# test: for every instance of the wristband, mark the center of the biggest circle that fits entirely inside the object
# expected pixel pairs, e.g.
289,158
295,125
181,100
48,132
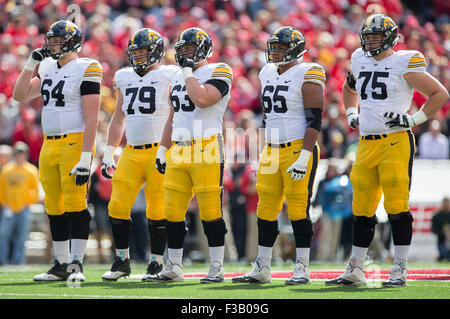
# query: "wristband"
351,110
419,117
304,157
109,151
86,158
187,72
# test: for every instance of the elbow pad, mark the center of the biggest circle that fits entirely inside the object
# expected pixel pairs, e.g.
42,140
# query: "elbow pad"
314,118
351,81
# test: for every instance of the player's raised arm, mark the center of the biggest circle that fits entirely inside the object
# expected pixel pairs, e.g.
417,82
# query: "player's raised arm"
28,87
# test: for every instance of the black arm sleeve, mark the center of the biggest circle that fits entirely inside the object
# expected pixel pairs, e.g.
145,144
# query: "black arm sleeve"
88,87
222,86
314,118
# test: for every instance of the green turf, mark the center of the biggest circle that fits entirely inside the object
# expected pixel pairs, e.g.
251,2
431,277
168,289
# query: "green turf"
16,283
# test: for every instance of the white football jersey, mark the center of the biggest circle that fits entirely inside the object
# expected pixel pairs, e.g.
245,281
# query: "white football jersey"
282,99
382,88
190,121
145,102
62,112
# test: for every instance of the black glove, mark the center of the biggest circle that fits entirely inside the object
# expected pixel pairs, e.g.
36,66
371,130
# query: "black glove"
186,63
40,54
399,120
105,168
82,176
161,167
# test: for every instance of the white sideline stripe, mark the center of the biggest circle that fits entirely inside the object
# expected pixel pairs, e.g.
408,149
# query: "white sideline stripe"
80,296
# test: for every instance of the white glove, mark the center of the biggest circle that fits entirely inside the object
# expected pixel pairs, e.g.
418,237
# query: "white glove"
352,117
82,170
108,161
300,166
405,120
36,57
161,159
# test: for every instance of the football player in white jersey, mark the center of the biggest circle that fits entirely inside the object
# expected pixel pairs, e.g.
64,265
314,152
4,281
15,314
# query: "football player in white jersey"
384,81
141,111
199,94
293,98
70,89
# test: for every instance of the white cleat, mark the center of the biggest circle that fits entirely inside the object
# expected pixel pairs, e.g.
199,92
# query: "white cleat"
353,276
397,278
300,275
215,274
259,275
170,273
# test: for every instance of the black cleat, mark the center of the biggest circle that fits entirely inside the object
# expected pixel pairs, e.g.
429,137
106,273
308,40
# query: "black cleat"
153,269
120,268
57,273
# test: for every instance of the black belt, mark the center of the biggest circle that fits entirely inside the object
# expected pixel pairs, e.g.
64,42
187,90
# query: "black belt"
283,145
144,147
373,137
56,137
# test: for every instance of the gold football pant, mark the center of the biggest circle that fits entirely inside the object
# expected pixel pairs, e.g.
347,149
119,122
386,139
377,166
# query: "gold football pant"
136,167
194,166
56,160
383,165
274,185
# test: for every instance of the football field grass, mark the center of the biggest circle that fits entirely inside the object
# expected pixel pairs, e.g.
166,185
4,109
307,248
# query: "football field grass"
425,281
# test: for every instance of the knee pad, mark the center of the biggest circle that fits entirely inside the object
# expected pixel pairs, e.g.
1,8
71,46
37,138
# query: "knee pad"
303,232
175,234
363,230
215,231
79,224
121,232
158,236
401,225
267,232
59,227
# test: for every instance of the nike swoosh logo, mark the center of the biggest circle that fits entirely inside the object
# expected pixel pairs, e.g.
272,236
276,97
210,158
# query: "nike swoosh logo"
66,76
287,81
296,152
153,82
394,143
203,150
386,68
72,143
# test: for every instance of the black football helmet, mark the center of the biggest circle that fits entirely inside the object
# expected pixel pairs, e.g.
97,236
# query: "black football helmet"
145,39
71,38
378,24
294,40
195,36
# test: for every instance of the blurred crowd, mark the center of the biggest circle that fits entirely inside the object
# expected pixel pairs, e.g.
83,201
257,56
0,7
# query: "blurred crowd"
239,30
